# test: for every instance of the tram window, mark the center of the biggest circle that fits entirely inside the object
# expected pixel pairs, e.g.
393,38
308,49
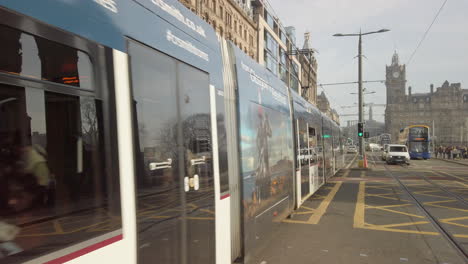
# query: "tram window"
54,180
312,146
38,58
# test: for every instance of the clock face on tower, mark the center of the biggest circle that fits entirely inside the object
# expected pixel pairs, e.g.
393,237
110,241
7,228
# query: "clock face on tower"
396,74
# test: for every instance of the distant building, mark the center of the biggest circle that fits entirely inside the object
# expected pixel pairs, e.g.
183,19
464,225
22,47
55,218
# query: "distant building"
274,45
309,71
445,109
250,25
232,19
324,105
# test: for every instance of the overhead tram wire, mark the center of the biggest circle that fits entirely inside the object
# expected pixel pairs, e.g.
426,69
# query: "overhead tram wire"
427,31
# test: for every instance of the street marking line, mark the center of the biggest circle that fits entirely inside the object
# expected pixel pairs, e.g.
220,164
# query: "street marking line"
198,218
359,216
435,204
387,206
398,212
346,173
426,193
405,224
379,188
385,197
451,175
359,212
58,227
450,221
320,211
207,211
308,208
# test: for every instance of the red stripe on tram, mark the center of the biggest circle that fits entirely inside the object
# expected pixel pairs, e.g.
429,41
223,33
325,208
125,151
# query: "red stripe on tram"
225,196
85,250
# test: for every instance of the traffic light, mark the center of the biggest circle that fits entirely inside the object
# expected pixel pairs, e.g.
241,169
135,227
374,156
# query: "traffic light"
360,131
366,135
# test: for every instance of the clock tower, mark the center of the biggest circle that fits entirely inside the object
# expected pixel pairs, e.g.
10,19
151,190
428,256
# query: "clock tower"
395,81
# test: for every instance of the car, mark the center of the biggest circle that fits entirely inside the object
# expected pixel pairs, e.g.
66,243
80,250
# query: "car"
384,152
352,149
396,154
374,147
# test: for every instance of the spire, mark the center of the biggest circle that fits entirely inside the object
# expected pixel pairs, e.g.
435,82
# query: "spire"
395,59
307,45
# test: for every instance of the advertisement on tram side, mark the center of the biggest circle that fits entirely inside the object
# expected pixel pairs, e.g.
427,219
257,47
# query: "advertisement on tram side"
266,150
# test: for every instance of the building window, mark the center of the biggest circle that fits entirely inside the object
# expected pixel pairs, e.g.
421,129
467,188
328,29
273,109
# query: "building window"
415,100
283,37
271,63
271,44
465,98
213,5
270,20
221,12
428,99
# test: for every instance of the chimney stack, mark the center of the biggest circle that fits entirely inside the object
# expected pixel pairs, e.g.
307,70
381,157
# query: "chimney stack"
432,88
410,90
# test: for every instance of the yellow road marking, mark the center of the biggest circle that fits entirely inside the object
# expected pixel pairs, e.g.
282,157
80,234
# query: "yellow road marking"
398,212
449,221
379,188
359,216
58,227
345,175
199,218
385,197
308,208
207,211
405,224
451,175
320,211
360,207
387,206
436,204
426,193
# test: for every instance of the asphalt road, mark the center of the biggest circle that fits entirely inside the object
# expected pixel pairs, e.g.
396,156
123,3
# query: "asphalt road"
370,216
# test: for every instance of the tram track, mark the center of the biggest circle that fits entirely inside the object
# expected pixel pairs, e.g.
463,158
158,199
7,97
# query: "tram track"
432,218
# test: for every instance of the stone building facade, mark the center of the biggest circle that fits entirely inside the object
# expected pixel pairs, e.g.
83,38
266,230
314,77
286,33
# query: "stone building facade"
251,25
444,109
278,52
324,105
232,19
309,71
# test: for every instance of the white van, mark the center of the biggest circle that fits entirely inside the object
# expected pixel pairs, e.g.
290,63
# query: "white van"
397,154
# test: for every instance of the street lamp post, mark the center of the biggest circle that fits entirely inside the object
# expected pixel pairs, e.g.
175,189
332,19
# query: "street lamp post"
360,90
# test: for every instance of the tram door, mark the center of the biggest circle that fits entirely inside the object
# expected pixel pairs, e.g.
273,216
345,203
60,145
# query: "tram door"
174,177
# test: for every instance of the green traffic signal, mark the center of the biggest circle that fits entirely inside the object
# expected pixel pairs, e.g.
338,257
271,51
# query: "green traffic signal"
360,134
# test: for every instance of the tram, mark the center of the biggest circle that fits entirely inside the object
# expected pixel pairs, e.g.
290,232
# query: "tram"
131,133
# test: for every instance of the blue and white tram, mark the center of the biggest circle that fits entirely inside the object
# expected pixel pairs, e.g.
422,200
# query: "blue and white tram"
130,133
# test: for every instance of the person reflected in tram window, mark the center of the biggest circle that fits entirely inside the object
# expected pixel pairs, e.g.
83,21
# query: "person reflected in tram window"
31,182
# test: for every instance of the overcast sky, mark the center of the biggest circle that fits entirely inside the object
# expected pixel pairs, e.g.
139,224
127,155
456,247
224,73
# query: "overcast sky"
442,56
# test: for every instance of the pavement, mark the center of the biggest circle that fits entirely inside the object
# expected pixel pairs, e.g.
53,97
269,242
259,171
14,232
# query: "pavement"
366,216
